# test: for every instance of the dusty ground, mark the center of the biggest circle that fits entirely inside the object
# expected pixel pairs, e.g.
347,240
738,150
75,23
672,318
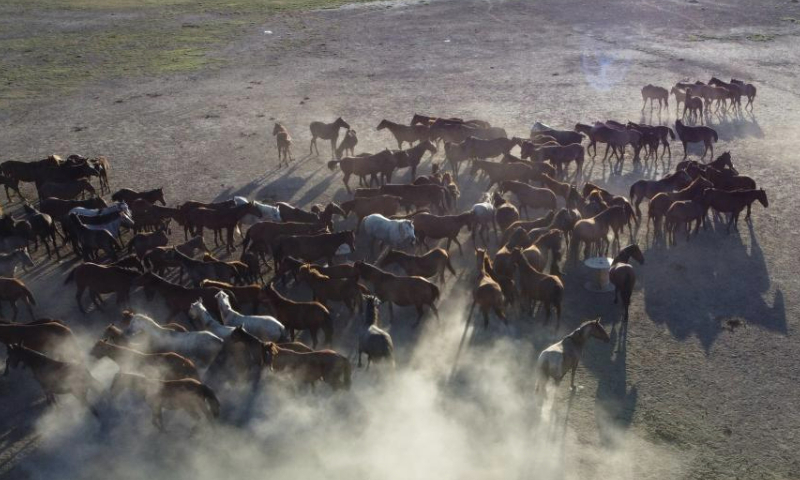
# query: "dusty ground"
678,397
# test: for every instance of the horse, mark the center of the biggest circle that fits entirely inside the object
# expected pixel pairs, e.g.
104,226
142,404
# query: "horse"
199,270
43,228
10,261
428,265
405,133
652,92
622,275
126,195
101,279
178,298
661,202
395,233
325,289
326,131
10,183
110,220
12,290
498,172
413,156
67,190
488,294
325,365
372,339
557,359
187,394
529,196
748,89
311,316
268,212
379,166
642,189
399,290
535,285
314,247
733,202
201,317
593,232
263,327
219,219
87,241
347,145
54,376
482,219
684,212
704,134
438,227
50,337
142,243
167,366
200,347
284,143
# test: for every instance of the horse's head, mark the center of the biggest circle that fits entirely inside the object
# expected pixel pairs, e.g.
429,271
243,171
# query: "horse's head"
223,300
407,234
197,311
99,349
597,331
278,128
341,123
384,124
762,197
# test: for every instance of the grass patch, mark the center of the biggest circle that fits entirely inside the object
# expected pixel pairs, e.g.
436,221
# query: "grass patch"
790,20
701,37
51,47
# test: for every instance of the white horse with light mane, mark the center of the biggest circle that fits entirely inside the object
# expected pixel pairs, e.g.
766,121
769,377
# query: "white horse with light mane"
557,359
388,231
198,312
268,212
265,327
200,347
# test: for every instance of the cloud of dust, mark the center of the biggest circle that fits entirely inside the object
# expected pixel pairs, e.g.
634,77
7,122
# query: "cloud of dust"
425,420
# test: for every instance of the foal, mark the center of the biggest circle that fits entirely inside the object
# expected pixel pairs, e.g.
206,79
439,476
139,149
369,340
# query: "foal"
284,144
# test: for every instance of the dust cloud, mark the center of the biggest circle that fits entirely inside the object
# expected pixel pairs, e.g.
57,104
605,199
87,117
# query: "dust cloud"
429,418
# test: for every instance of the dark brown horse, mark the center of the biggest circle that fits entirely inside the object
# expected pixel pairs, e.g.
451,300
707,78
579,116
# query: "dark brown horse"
12,290
128,196
428,265
401,291
102,279
687,135
623,276
311,316
642,189
734,202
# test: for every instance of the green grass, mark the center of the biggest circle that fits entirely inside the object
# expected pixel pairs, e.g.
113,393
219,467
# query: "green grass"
760,37
95,40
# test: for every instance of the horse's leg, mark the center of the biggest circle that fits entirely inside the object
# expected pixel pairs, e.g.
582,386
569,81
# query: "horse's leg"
333,149
420,312
460,251
572,377
14,308
78,295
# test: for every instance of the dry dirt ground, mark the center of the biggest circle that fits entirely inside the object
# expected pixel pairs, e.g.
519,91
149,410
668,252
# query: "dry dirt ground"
677,396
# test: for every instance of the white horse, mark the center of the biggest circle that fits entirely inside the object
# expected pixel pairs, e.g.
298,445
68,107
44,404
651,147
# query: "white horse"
483,214
125,217
268,212
265,327
200,347
197,311
557,359
395,233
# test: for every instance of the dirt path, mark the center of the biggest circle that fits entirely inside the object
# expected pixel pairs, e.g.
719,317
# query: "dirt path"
680,397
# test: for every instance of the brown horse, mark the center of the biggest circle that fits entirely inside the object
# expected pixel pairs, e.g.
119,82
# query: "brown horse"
401,291
307,368
535,285
313,247
293,265
177,297
661,202
693,106
102,279
55,377
413,156
405,133
12,290
428,265
687,135
529,196
622,275
427,225
284,141
733,202
262,235
219,219
129,196
141,243
167,366
67,190
386,205
348,144
187,394
379,167
311,316
488,294
326,131
326,289
593,232
199,270
642,189
652,92
49,337
499,172
683,212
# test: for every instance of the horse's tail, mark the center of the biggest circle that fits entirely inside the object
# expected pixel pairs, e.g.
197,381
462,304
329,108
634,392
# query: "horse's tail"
671,133
333,164
29,295
71,276
716,137
211,399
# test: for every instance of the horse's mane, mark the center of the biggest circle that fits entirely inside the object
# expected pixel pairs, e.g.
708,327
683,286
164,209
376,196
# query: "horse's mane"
578,330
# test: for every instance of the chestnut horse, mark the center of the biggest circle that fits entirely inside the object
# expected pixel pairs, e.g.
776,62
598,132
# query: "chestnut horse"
622,275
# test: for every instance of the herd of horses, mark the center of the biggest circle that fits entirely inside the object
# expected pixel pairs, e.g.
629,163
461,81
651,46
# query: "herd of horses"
226,322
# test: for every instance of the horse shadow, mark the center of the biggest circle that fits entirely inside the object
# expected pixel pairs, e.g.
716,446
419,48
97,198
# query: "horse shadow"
692,279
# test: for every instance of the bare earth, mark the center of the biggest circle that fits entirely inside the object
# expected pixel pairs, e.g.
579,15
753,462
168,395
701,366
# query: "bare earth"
678,397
